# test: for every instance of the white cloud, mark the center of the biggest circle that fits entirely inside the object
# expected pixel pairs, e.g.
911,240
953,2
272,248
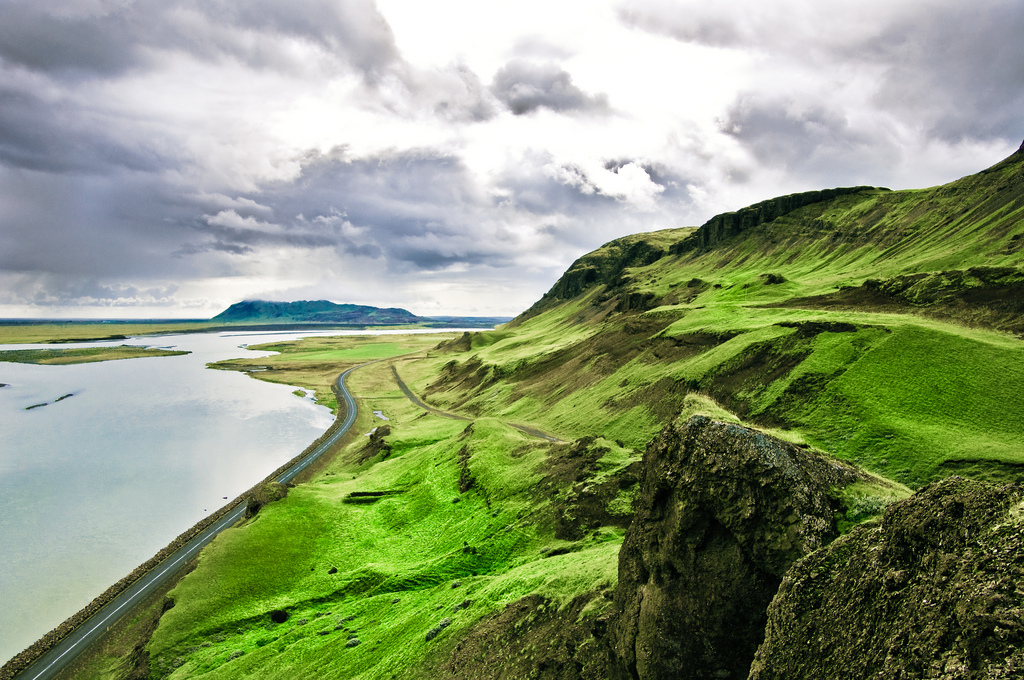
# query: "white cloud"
199,152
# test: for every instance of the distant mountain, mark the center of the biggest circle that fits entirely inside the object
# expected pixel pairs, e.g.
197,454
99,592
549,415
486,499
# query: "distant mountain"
323,311
314,311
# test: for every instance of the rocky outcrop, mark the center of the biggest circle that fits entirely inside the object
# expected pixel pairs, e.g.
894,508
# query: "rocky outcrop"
980,296
726,225
603,267
933,590
261,495
722,513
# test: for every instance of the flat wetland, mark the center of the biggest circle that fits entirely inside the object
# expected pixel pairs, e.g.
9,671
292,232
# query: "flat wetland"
28,332
83,355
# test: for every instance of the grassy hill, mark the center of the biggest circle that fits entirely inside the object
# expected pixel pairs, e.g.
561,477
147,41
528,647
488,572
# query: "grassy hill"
481,538
880,326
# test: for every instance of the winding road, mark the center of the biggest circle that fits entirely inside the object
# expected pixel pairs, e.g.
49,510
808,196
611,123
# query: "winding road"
52,662
414,398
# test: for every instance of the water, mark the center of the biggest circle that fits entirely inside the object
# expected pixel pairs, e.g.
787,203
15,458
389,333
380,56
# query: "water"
95,484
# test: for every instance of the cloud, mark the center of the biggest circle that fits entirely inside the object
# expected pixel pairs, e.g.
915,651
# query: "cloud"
195,152
524,86
39,40
415,208
811,139
352,30
50,133
957,71
55,290
625,182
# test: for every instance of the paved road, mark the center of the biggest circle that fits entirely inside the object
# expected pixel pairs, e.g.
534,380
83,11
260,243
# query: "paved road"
533,432
64,652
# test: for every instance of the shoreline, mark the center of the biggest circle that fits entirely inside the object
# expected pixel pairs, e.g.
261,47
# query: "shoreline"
58,332
23,660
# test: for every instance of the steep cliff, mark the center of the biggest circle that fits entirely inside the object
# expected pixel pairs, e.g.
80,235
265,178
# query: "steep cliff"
934,590
722,513
726,225
606,266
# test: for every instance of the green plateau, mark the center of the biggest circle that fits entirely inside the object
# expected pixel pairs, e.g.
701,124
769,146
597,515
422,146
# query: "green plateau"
866,343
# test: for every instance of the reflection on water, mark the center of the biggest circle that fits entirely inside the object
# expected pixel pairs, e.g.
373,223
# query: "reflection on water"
93,484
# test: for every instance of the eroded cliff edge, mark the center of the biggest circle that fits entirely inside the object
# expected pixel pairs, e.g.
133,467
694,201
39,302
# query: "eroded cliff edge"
722,513
933,590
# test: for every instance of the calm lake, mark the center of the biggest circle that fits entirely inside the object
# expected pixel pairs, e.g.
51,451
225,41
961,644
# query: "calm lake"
93,485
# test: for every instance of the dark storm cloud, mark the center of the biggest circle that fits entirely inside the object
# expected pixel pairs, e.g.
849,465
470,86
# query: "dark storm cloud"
251,31
526,86
86,197
351,29
120,222
406,211
34,39
959,70
210,246
60,290
51,134
417,208
813,140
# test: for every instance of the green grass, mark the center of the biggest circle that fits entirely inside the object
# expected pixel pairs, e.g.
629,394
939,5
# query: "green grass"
912,392
315,363
83,355
901,395
79,331
412,545
923,397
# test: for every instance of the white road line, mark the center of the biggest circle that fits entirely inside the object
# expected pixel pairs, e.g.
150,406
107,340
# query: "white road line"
203,538
130,597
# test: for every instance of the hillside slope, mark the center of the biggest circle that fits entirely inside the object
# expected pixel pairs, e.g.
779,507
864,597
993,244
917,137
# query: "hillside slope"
878,325
841,348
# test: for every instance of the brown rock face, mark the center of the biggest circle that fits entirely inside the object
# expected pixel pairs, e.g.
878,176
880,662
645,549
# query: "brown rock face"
722,513
934,590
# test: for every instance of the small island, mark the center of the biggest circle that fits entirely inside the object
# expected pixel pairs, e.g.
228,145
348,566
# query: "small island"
83,355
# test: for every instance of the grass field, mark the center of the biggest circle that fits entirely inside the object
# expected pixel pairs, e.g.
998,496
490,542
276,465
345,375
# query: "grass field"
315,363
906,396
387,571
384,546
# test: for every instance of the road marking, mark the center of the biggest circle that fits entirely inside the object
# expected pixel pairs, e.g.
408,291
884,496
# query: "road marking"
204,537
129,598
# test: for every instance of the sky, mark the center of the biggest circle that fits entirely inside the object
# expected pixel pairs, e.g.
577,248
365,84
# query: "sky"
167,158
